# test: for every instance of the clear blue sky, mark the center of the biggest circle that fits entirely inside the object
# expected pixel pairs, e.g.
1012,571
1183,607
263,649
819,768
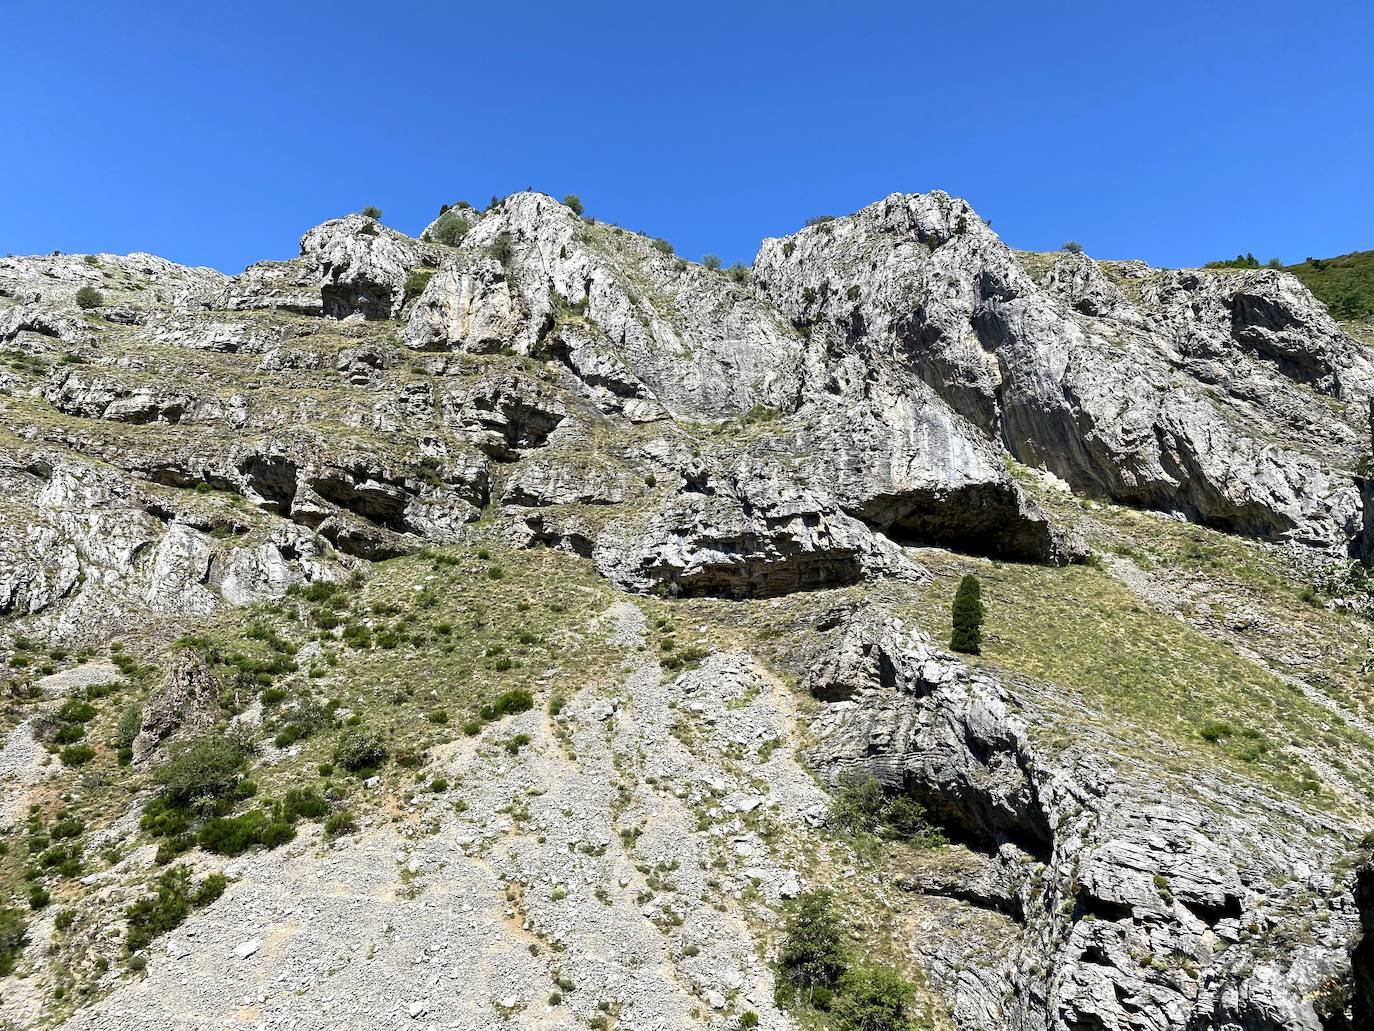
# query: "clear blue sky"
217,133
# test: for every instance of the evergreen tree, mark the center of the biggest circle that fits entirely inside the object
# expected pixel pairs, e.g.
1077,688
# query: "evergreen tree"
968,617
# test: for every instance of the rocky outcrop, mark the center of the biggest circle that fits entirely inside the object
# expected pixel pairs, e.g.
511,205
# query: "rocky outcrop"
1131,906
361,266
1068,376
186,704
87,549
743,532
137,282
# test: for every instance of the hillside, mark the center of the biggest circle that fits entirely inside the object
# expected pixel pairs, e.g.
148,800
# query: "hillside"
520,625
1344,284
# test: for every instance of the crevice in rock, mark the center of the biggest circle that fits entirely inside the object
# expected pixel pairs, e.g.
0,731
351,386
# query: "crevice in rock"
1086,904
1211,913
985,519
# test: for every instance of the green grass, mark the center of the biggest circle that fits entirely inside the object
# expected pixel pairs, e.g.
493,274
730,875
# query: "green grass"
1344,284
1141,672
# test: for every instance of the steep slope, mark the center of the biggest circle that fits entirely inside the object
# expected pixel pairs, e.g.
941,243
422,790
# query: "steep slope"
535,600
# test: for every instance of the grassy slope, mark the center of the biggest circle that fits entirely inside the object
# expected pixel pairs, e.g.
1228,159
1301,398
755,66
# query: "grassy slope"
1345,284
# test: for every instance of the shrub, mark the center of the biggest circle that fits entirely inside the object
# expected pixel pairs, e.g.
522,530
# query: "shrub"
873,998
813,953
210,889
572,201
739,273
130,723
967,615
508,703
663,246
166,909
417,281
13,934
207,767
439,716
372,211
748,1019
39,897
64,919
1074,247
76,710
233,835
341,821
89,297
500,248
711,261
517,742
860,806
857,805
77,755
359,749
450,229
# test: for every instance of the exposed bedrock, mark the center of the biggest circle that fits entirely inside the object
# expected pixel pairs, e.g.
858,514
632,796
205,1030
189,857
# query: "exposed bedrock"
1128,905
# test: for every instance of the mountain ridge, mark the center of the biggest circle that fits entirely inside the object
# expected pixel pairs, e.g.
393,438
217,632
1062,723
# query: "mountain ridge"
648,561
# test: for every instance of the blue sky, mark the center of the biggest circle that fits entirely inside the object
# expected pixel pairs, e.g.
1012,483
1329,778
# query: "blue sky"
217,133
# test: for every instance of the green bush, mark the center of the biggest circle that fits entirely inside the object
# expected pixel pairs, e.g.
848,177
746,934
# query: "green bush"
39,897
663,246
233,835
77,755
508,703
130,723
166,909
967,617
711,261
76,710
372,211
341,821
813,952
1074,247
359,749
417,281
208,767
210,889
874,998
450,229
89,297
859,805
501,248
572,201
13,934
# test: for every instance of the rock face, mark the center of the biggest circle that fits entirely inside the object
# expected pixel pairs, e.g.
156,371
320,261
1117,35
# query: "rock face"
185,705
892,380
1096,870
1151,402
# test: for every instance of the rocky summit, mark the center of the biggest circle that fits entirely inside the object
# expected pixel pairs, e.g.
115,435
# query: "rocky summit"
520,625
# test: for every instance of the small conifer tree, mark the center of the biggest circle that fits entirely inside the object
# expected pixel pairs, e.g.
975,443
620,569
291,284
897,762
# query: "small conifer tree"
968,617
